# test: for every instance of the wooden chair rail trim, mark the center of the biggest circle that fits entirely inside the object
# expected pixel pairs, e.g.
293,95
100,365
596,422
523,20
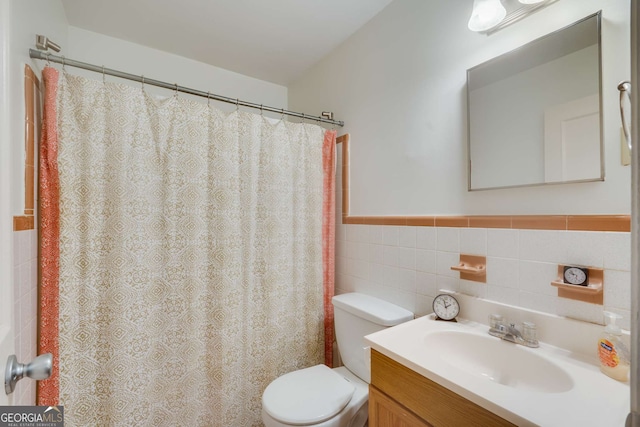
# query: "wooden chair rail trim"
31,103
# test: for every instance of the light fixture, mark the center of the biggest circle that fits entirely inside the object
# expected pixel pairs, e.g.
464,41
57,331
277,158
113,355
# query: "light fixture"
489,16
486,14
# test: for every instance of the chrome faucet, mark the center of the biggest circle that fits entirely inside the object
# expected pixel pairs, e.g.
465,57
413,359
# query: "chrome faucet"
508,331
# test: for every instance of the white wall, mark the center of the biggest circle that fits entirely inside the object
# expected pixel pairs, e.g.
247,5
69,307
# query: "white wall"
132,58
399,84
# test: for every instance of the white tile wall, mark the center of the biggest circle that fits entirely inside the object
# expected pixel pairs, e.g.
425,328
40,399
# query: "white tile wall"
25,277
409,265
426,238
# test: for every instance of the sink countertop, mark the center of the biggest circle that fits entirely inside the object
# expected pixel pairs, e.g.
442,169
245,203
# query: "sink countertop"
594,400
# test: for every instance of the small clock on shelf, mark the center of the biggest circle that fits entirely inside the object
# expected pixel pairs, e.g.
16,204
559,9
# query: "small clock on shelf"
446,307
576,275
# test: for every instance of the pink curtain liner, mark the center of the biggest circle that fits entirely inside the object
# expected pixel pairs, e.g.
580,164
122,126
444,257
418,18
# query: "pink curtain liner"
49,196
329,239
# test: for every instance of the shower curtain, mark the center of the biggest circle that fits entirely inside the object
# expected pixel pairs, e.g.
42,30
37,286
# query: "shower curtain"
191,257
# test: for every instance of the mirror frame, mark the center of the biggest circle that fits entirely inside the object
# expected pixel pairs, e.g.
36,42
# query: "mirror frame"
598,16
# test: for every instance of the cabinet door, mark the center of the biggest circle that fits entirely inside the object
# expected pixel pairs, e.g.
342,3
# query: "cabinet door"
426,399
386,412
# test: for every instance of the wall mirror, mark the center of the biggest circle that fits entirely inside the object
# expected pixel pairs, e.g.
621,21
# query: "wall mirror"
534,114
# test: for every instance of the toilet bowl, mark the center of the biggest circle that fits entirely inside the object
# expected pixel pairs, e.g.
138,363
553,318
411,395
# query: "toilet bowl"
316,398
323,397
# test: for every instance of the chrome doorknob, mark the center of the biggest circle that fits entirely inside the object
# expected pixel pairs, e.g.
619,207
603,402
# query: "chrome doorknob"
39,369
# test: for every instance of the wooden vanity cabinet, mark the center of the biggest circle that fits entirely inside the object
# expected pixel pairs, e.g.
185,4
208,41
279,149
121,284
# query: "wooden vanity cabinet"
400,397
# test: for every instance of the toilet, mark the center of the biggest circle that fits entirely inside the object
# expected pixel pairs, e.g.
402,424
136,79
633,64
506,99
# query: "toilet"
323,397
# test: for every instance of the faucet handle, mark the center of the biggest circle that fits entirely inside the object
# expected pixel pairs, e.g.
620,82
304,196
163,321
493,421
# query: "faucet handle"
495,320
497,327
530,332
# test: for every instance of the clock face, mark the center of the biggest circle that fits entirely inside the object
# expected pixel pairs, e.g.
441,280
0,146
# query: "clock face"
446,307
575,275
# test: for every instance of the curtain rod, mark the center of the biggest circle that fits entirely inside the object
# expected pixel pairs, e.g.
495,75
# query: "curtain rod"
36,54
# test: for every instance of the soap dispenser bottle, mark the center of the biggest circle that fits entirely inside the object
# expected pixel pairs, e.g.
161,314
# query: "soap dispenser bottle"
614,354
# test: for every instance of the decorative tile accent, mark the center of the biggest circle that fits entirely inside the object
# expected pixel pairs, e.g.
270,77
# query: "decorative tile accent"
22,223
490,221
599,222
620,223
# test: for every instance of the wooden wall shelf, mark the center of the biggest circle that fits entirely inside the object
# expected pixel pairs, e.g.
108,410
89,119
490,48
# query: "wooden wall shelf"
472,267
592,293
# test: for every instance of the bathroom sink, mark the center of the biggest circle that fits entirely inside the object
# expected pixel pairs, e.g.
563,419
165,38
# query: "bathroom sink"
498,361
558,384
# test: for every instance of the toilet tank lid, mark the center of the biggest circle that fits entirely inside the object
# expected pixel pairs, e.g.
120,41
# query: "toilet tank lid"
372,309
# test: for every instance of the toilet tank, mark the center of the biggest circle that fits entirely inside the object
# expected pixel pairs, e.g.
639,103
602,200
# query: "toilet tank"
357,315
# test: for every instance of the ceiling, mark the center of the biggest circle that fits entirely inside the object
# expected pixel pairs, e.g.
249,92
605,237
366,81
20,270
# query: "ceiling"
272,40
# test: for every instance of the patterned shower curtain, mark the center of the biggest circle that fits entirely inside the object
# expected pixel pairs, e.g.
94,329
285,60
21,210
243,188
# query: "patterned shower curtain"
191,257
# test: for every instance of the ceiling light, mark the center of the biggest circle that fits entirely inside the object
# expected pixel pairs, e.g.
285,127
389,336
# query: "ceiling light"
530,1
487,14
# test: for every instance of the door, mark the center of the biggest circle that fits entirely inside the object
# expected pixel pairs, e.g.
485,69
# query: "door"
572,140
6,221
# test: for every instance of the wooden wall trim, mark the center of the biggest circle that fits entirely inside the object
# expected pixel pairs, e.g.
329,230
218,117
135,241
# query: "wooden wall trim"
525,222
22,223
31,104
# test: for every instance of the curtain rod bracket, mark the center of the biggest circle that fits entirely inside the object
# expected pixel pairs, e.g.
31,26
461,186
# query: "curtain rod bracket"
327,115
43,43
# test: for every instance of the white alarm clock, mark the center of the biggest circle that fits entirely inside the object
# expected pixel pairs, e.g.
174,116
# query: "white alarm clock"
446,307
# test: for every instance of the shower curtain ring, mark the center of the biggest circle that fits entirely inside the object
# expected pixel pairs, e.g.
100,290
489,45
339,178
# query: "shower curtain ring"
282,116
237,104
64,64
176,94
104,80
48,59
303,117
208,99
261,110
142,77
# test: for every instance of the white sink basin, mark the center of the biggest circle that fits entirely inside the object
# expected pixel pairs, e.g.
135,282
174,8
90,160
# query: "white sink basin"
499,361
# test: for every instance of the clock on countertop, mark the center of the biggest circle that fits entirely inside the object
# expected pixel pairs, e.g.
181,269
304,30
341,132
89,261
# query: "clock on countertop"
446,307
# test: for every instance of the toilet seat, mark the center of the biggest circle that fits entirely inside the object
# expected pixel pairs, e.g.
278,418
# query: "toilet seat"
307,396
